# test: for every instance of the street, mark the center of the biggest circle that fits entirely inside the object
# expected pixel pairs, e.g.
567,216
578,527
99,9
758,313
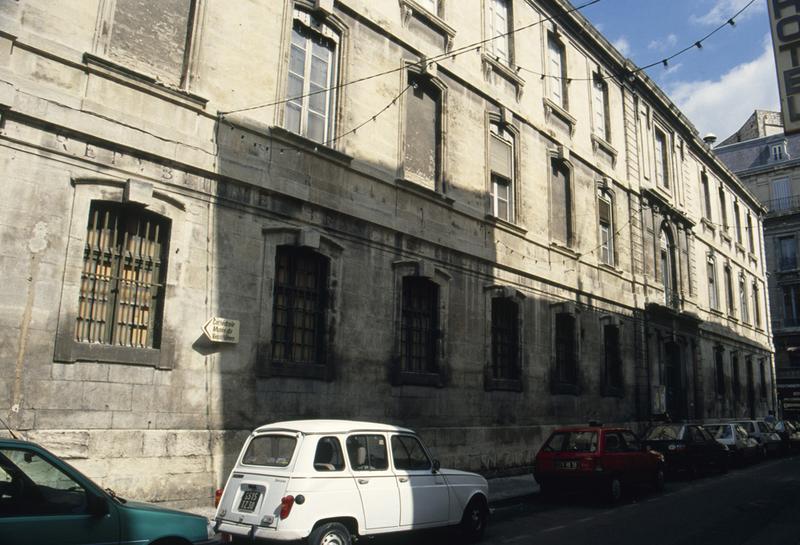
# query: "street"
755,505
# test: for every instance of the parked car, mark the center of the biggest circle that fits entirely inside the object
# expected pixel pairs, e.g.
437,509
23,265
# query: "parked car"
604,460
687,447
330,480
789,434
45,501
741,446
764,434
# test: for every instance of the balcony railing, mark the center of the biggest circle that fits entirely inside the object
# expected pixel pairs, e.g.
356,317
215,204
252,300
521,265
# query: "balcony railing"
783,205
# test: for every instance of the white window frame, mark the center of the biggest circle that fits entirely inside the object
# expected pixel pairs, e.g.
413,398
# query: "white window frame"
499,28
600,106
556,70
713,291
302,102
501,134
606,246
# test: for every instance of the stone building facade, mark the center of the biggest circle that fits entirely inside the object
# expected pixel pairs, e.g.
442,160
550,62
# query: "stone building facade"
767,161
473,218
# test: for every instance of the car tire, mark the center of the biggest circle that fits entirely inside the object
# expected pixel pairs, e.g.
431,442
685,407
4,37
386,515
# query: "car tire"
473,521
330,533
614,490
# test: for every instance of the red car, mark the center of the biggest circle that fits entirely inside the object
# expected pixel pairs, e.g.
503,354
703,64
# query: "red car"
605,460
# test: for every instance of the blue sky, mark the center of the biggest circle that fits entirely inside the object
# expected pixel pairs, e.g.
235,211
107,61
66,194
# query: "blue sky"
718,86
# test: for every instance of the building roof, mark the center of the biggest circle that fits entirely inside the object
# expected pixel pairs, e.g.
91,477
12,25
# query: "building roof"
757,152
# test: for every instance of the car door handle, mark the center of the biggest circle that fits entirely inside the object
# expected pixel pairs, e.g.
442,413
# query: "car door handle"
403,479
363,481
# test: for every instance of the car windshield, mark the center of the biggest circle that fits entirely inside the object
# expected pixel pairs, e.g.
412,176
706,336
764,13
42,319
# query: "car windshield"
748,426
666,432
719,431
270,450
572,441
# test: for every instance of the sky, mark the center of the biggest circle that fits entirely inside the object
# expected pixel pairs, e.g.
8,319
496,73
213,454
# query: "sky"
719,86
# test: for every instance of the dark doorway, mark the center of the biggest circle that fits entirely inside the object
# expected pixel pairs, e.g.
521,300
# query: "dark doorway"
673,381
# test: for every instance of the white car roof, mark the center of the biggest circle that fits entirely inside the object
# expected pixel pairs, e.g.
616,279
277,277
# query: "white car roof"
329,426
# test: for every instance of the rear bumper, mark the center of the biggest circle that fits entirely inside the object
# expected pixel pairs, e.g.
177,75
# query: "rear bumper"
260,532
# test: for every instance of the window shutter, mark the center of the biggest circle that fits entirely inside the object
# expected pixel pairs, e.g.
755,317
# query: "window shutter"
605,211
500,160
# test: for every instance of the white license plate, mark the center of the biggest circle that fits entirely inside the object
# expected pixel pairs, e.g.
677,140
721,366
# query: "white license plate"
571,464
249,501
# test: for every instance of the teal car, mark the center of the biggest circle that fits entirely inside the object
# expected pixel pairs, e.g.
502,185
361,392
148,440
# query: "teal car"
45,501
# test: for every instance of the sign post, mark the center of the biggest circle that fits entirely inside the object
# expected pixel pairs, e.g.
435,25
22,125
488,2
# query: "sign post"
222,330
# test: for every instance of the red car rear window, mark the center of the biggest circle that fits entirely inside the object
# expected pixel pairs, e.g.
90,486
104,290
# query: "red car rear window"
572,441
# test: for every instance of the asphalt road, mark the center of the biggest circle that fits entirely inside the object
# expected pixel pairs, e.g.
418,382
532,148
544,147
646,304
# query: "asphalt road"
756,505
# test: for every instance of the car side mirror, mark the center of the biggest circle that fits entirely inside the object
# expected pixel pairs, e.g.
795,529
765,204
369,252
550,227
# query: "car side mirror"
436,466
97,506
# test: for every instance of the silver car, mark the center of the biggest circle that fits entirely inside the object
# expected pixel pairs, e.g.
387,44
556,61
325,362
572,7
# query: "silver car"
764,434
741,446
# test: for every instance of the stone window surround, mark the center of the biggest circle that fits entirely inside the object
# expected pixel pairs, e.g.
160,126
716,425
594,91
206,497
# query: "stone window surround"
283,235
562,154
607,390
605,192
425,269
505,120
324,13
410,8
493,291
557,387
431,73
67,349
102,39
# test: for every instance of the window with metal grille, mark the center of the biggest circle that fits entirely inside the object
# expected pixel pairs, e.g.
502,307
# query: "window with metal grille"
122,283
505,339
719,368
736,383
299,304
566,360
613,357
420,322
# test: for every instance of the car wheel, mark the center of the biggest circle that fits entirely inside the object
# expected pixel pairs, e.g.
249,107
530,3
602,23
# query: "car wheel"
658,480
473,521
331,533
614,490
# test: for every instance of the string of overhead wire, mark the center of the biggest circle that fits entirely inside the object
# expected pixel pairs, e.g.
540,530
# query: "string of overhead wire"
421,63
698,44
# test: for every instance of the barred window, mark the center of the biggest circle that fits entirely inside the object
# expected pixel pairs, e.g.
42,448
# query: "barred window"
299,304
505,339
719,370
566,360
420,324
122,284
613,356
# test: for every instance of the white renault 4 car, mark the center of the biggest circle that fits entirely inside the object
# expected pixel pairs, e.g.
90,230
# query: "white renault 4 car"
332,480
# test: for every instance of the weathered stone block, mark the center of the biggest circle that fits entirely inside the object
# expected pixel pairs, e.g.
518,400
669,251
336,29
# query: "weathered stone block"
66,444
107,396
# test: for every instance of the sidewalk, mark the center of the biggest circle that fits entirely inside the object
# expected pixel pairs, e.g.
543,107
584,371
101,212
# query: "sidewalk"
500,489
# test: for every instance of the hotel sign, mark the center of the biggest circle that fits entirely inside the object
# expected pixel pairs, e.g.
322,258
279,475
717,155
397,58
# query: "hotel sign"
784,18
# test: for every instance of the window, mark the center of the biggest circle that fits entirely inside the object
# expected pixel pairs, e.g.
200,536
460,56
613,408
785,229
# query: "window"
706,196
631,442
122,283
606,224
763,378
728,289
787,253
756,305
367,453
312,74
781,194
612,358
713,299
613,442
299,306
328,456
408,454
737,222
668,272
423,130
737,385
743,301
602,127
153,36
270,450
723,209
561,197
37,488
662,159
419,330
750,237
557,70
505,339
719,370
501,162
778,151
432,6
566,357
791,305
500,27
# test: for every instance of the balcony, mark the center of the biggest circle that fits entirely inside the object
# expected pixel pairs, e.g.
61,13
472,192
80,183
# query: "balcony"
782,205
